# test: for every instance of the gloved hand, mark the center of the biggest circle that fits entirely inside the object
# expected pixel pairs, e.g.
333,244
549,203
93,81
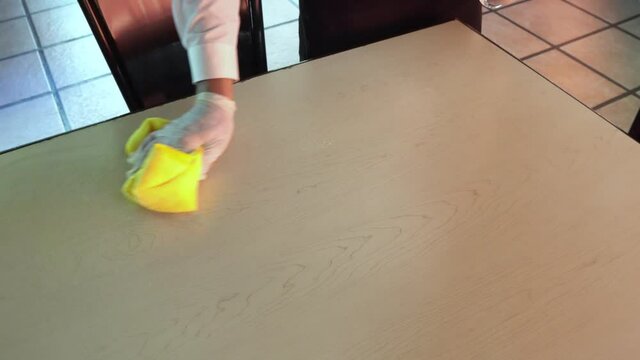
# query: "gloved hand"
209,124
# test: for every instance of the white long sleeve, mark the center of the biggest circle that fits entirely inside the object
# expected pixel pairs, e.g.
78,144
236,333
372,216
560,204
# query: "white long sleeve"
208,30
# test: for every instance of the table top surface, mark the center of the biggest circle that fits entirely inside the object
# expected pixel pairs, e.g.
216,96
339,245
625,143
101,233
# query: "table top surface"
426,197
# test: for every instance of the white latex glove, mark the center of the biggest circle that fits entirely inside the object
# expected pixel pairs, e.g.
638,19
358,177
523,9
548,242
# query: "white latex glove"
209,124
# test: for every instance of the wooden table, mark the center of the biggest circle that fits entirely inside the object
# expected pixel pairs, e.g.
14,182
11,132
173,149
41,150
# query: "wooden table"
427,197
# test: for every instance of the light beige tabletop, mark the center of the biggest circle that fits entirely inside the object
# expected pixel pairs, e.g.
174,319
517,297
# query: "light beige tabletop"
427,197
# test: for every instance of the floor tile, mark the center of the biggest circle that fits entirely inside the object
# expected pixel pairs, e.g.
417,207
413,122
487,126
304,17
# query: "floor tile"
610,10
29,121
282,46
21,77
552,20
622,112
510,37
60,24
612,52
632,26
39,5
574,78
76,61
276,12
10,9
93,102
15,37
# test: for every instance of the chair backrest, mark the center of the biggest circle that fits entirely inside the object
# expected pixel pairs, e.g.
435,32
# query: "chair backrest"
141,46
330,26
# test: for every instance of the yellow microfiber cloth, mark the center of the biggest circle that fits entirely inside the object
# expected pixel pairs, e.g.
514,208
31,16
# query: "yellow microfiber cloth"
168,179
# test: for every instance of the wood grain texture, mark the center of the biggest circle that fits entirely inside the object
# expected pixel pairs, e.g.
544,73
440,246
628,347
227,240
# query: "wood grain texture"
427,197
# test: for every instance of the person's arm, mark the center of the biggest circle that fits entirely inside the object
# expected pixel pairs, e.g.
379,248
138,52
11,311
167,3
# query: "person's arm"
208,30
223,87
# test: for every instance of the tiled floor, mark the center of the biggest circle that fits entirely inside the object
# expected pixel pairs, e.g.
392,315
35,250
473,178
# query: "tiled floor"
589,48
53,77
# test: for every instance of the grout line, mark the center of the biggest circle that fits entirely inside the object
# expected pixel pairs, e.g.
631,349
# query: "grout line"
524,28
615,24
47,70
593,69
537,53
65,41
46,47
51,8
564,52
33,97
612,100
625,30
556,47
608,27
62,88
587,12
13,18
282,23
627,20
18,54
294,4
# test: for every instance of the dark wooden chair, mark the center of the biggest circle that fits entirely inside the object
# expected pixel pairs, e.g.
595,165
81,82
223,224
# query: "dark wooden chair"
330,26
141,46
